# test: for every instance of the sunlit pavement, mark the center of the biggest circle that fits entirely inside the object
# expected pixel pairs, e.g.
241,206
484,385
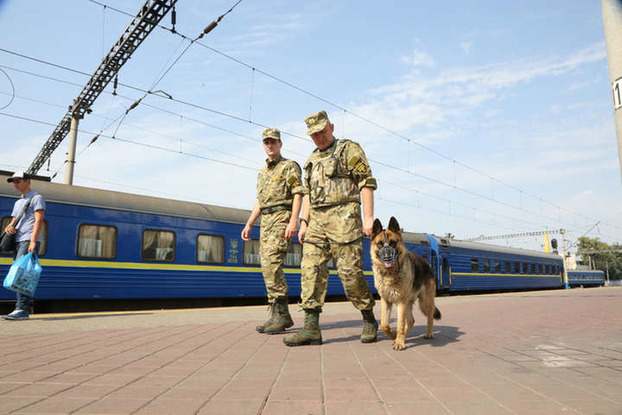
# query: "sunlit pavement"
542,352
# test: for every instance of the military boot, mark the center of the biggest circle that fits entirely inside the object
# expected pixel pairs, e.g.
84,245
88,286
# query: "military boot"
282,319
310,332
370,327
271,320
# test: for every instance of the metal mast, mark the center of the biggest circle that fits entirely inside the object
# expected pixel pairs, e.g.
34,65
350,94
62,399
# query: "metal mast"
150,14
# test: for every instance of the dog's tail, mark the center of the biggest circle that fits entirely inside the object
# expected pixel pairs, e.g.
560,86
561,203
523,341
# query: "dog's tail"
437,313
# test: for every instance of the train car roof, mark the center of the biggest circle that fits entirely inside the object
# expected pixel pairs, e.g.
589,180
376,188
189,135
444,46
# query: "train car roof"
85,196
415,238
495,248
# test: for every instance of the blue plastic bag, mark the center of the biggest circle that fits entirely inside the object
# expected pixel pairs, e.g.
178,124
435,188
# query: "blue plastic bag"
23,275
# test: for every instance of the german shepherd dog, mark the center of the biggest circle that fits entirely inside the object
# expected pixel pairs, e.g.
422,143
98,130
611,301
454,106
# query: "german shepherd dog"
401,277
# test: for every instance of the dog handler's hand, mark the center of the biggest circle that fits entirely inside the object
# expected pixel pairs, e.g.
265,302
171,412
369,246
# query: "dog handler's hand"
368,224
302,232
290,231
246,233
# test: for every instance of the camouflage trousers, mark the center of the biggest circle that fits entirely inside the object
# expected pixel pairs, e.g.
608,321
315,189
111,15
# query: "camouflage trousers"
273,248
336,232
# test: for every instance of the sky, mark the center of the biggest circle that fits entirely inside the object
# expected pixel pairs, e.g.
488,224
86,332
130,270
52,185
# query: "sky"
484,117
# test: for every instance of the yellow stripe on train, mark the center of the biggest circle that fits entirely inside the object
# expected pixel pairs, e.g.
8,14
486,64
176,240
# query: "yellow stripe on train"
152,266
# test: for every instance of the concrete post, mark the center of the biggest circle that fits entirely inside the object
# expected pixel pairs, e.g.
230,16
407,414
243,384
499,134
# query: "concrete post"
612,22
563,232
71,150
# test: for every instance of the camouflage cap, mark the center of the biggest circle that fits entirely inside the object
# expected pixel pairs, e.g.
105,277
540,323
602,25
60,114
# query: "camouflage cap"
316,122
272,133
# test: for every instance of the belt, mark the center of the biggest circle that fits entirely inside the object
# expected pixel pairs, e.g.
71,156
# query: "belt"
272,209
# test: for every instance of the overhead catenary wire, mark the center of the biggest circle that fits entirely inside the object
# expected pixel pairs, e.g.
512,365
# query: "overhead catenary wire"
153,146
346,111
185,153
8,104
306,139
371,122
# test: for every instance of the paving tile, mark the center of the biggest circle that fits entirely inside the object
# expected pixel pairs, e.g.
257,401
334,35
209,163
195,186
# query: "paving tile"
404,394
354,408
165,406
12,403
113,406
288,407
38,390
237,407
491,354
410,408
285,393
56,405
87,391
138,392
483,407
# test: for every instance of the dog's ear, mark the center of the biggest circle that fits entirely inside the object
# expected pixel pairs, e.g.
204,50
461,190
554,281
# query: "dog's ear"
394,226
376,229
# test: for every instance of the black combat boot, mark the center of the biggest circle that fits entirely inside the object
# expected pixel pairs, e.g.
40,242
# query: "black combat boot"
309,334
271,320
282,318
370,326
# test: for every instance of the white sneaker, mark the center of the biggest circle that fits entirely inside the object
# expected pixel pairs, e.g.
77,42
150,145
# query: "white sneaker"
17,315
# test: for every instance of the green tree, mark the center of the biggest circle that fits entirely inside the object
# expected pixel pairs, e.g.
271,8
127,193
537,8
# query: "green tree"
603,256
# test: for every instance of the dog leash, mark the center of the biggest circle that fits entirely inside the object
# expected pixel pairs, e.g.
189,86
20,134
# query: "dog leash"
323,243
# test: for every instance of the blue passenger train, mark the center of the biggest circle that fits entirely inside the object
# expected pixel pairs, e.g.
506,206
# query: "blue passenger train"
586,278
99,244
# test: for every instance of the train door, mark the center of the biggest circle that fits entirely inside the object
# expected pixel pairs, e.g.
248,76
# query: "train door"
439,267
435,268
445,277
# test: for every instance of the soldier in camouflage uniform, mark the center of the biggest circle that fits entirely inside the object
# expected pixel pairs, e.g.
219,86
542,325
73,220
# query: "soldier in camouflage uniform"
279,197
338,178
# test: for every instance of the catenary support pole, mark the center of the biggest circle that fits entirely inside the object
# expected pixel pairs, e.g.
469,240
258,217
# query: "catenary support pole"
612,22
71,150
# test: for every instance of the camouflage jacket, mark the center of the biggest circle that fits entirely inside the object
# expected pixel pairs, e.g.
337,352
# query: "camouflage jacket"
336,175
278,182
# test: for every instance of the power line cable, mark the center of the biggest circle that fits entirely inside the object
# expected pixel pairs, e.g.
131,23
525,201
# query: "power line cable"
362,118
305,139
12,90
388,182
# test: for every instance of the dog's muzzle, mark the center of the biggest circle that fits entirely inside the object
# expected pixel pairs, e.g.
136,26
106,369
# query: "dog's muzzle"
387,254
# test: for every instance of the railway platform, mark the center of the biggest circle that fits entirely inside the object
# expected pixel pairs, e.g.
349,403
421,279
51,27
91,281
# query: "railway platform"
541,352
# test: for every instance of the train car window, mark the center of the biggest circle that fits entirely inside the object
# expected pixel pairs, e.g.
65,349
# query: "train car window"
211,249
158,245
508,267
331,263
486,265
97,241
474,265
293,256
251,252
517,267
497,265
5,222
43,246
540,271
533,269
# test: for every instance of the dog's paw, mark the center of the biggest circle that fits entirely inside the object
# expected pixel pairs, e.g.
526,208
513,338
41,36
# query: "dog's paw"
398,345
430,337
390,333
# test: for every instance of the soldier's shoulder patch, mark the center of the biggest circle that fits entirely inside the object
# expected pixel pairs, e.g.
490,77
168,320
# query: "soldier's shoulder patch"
294,181
357,164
